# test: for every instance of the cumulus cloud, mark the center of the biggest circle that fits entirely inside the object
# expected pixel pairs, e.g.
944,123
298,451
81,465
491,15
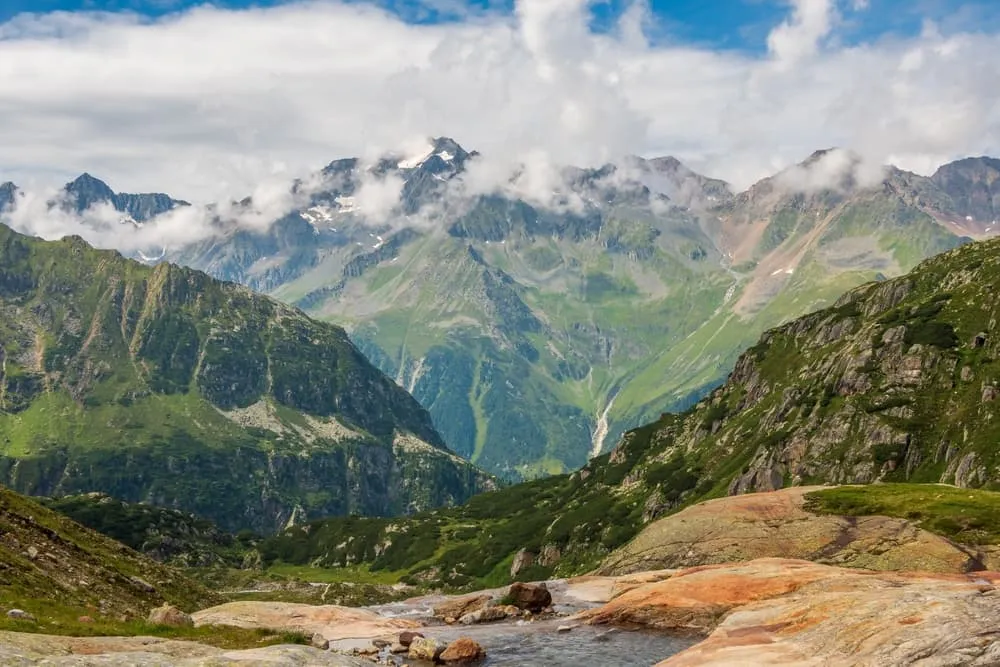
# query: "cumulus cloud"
208,104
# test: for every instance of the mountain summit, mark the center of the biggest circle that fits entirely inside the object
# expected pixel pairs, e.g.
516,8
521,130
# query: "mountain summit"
86,191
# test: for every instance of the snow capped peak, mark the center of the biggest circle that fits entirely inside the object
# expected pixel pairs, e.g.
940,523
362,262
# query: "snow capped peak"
416,158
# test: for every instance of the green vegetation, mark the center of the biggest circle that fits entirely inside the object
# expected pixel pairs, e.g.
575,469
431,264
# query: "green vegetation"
160,382
967,516
841,394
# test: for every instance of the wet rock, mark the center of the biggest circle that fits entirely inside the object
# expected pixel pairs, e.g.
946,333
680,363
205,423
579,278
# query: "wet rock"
423,648
463,651
487,615
459,607
532,597
406,638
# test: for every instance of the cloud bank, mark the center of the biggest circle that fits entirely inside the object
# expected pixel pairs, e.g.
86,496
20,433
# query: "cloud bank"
208,104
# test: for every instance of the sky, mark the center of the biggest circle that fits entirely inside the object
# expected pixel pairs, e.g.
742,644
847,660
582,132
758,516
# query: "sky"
209,101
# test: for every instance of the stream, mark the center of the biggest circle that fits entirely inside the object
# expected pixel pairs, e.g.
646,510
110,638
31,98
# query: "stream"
539,643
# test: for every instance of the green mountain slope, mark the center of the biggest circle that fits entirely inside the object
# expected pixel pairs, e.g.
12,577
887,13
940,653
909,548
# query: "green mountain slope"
897,382
55,568
164,385
535,336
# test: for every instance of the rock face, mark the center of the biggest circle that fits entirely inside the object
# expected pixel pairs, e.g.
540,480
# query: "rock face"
199,370
331,622
775,524
530,597
788,612
463,651
170,615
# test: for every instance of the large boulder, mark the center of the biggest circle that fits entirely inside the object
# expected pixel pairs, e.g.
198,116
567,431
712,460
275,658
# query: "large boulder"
406,638
171,616
463,651
530,597
426,649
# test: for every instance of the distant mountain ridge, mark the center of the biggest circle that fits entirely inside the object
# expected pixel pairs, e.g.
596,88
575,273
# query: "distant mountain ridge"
536,334
86,191
163,385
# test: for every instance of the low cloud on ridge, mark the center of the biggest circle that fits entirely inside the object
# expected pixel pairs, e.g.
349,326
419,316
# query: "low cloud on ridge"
209,104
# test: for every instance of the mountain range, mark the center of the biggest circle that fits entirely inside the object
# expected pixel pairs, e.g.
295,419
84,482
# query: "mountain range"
898,381
163,385
535,333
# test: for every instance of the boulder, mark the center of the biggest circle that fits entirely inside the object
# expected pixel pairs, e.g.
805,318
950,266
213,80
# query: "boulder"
463,651
142,584
20,615
487,615
532,597
320,642
406,638
423,648
171,616
459,607
523,559
398,648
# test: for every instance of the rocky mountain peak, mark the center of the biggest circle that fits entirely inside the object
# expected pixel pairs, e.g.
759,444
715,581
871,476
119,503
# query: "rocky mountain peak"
8,192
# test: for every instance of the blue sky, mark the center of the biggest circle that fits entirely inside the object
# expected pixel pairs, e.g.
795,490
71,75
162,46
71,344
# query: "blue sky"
719,24
215,103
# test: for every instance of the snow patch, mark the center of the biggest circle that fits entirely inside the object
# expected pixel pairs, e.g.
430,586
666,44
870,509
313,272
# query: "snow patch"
416,160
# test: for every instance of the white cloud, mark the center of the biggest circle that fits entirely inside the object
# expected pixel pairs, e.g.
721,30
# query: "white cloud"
208,104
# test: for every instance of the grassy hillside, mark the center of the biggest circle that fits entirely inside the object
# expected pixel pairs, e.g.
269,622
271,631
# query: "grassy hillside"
164,385
897,382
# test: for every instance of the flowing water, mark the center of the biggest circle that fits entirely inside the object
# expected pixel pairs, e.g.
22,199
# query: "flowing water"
540,644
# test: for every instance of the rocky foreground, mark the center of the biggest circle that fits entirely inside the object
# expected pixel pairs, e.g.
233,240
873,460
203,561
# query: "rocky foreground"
792,612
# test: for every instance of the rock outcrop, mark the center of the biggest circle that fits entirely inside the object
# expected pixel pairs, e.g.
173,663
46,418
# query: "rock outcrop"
331,622
171,616
792,612
775,524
